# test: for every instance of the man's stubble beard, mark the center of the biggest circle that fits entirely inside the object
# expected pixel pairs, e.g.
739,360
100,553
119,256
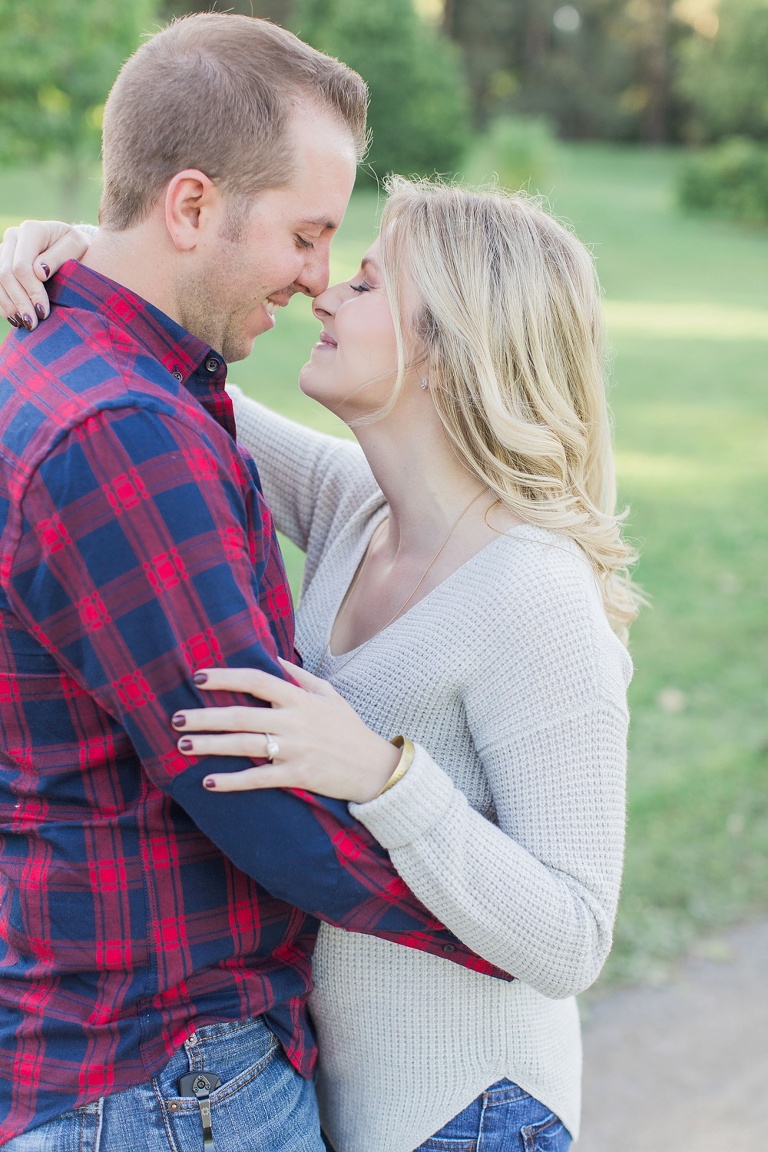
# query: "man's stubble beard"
204,311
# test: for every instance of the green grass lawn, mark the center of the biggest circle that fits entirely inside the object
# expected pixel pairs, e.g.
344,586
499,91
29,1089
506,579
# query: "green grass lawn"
687,306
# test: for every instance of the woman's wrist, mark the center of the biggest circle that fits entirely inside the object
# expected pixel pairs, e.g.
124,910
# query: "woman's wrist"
403,764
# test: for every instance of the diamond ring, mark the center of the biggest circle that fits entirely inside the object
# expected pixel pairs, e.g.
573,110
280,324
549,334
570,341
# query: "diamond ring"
273,748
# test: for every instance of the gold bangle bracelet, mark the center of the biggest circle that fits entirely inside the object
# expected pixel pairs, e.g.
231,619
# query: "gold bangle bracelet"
403,764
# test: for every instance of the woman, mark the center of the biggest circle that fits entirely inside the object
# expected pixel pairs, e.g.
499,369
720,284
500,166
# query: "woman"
461,575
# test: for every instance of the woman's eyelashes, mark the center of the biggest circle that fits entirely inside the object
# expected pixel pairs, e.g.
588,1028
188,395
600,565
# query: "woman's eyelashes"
363,286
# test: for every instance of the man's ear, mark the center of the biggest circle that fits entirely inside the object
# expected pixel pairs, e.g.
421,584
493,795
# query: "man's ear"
192,202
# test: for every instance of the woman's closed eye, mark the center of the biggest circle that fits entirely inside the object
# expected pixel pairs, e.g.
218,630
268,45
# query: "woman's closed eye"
363,286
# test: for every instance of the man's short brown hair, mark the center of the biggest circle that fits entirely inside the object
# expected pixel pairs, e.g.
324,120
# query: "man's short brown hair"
215,91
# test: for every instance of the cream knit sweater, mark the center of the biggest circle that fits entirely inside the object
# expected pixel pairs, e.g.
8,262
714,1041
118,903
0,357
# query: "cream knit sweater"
509,826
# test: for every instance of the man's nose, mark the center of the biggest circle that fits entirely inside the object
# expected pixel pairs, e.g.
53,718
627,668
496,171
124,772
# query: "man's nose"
315,275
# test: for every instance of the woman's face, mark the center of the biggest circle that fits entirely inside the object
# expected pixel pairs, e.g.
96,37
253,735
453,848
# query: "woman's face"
353,366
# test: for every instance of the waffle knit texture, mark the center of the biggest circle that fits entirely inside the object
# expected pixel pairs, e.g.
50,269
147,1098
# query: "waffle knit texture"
509,825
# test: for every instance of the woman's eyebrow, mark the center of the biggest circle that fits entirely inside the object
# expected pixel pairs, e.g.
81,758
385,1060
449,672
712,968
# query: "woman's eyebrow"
366,261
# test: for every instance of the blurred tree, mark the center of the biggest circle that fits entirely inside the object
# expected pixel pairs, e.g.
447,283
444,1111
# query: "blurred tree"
592,67
724,72
488,32
419,106
59,62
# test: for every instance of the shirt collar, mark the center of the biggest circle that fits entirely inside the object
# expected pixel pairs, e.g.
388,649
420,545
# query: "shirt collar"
198,367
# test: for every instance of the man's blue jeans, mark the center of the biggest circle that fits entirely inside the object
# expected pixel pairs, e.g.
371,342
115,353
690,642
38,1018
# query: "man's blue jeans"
502,1119
263,1105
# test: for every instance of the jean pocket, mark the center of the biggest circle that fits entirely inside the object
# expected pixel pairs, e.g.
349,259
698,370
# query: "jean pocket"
265,1106
549,1135
240,1073
77,1130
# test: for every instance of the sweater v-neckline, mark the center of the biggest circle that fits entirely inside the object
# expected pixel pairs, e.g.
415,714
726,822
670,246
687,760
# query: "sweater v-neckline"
359,554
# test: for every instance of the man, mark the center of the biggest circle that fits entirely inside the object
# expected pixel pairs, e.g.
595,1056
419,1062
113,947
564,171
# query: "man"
153,995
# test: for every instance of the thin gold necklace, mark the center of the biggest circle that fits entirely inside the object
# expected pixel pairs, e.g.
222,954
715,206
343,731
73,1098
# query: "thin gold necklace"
407,601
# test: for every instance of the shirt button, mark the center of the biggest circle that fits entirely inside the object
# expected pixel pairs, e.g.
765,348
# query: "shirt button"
212,364
449,947
177,374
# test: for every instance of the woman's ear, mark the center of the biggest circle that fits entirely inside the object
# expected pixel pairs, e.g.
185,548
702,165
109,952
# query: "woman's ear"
193,204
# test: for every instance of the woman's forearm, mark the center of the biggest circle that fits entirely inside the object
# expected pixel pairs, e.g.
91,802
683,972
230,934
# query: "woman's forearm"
536,896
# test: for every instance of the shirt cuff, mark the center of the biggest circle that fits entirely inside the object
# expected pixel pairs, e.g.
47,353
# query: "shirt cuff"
412,807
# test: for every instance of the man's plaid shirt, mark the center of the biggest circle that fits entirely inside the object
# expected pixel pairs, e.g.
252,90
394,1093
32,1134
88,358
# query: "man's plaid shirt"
135,547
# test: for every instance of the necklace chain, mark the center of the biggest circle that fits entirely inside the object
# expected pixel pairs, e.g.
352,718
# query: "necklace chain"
410,596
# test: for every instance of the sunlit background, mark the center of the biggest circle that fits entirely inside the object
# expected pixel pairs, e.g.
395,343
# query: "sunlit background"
645,124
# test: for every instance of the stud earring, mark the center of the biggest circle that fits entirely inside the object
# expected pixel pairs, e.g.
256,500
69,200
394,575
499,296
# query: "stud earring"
424,383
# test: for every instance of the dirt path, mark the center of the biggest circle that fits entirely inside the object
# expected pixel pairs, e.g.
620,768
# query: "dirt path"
684,1067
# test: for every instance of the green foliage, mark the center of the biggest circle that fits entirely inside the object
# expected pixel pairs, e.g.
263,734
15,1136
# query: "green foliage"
418,109
518,152
59,62
729,180
726,76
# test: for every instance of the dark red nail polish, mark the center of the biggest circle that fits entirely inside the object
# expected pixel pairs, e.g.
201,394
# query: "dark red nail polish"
19,321
45,269
12,321
179,720
186,744
200,678
209,783
27,322
40,311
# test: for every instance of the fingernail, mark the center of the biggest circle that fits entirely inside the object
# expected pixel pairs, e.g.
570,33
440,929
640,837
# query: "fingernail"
200,678
40,311
179,720
209,782
45,269
186,744
12,321
19,321
27,322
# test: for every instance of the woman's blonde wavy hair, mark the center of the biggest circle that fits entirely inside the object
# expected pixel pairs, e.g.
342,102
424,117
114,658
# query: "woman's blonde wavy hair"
508,320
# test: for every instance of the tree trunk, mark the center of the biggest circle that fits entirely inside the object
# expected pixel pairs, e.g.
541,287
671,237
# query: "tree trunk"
656,128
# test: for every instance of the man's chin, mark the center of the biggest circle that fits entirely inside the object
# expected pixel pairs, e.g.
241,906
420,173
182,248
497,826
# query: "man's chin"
239,347
240,351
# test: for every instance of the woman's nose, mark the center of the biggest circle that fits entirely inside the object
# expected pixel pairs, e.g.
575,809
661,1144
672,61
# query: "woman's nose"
327,302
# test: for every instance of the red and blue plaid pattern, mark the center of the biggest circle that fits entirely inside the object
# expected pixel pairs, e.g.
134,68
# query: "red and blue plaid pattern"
135,547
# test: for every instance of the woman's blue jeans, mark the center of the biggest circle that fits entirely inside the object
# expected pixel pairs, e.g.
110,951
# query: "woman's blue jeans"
502,1119
263,1105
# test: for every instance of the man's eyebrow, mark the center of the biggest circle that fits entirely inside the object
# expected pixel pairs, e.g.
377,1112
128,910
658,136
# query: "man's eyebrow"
321,222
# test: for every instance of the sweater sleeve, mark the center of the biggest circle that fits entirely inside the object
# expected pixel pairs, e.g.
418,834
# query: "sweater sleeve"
310,480
536,893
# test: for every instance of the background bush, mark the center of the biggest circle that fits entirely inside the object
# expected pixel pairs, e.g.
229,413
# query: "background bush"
520,152
730,180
